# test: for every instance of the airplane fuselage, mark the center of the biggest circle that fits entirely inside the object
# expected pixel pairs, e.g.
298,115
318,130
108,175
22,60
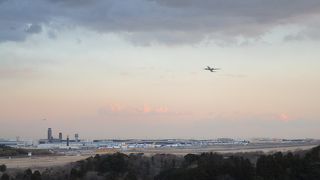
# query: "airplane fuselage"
208,68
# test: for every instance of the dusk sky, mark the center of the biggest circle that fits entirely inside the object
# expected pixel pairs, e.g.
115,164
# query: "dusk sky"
135,68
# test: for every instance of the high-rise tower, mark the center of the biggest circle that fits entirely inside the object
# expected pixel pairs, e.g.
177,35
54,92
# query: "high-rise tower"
67,140
60,137
49,134
76,137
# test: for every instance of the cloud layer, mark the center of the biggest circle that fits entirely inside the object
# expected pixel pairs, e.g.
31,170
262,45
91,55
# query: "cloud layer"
164,21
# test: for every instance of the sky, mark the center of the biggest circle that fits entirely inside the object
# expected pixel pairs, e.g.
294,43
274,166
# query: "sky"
135,68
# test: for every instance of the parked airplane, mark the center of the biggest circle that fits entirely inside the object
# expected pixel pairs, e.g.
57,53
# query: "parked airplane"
208,68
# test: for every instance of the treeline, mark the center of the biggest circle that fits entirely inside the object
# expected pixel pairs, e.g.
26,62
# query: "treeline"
205,166
277,166
6,151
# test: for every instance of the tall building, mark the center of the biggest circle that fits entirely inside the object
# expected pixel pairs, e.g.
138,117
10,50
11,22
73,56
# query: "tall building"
76,137
50,134
67,140
60,136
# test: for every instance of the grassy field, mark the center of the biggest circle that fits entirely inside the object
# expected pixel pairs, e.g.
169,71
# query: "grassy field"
221,149
40,162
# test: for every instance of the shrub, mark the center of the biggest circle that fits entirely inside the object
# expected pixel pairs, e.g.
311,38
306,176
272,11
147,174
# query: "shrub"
3,168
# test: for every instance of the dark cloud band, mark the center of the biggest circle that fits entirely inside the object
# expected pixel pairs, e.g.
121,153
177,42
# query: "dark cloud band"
165,21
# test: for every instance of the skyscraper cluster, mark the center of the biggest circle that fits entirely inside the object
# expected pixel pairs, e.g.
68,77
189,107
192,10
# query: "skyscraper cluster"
51,139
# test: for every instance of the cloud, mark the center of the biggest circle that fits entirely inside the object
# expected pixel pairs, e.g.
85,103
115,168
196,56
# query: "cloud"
33,28
310,33
263,118
162,110
157,21
284,117
116,107
146,109
121,109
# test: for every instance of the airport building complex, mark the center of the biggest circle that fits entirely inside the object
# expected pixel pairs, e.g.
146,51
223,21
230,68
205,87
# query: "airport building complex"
59,142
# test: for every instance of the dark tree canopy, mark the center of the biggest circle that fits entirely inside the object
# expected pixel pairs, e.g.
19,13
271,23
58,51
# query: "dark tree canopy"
205,166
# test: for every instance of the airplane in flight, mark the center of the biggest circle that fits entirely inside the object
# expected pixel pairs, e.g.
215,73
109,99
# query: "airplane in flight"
208,68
